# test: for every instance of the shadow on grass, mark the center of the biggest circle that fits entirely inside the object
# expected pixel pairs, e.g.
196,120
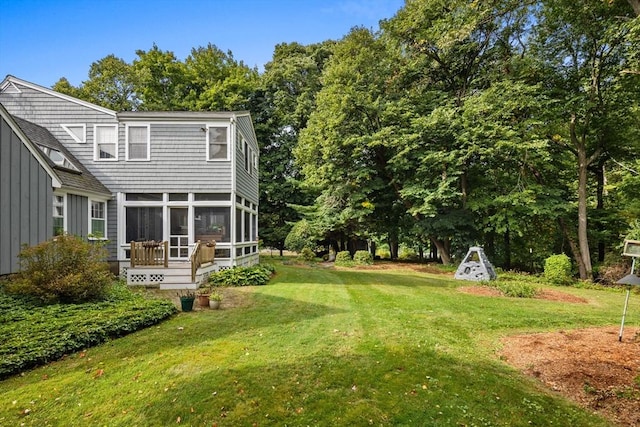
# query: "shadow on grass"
344,277
378,387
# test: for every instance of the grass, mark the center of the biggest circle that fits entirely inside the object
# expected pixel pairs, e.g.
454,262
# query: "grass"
321,347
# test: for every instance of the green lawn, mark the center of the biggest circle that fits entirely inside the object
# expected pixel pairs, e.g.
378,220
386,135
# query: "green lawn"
322,347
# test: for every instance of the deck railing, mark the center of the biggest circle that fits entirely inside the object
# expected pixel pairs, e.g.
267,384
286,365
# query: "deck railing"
150,253
202,253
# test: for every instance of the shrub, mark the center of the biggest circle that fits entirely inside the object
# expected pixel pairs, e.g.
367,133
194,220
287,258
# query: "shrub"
306,254
343,258
300,236
256,275
65,269
557,269
363,258
35,334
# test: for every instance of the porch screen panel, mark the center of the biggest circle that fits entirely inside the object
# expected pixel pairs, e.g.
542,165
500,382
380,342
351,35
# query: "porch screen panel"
144,223
212,223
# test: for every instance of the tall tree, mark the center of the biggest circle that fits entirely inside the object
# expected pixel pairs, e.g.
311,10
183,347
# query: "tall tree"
344,149
451,50
161,80
280,109
581,45
215,81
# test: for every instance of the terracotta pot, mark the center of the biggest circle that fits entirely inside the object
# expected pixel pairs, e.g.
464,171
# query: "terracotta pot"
203,301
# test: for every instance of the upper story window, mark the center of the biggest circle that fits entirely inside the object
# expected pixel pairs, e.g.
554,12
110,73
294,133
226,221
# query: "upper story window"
78,132
247,157
217,143
138,142
106,142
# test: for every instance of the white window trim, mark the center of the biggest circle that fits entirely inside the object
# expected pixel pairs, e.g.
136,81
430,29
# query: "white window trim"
126,139
65,215
96,154
91,220
221,125
73,135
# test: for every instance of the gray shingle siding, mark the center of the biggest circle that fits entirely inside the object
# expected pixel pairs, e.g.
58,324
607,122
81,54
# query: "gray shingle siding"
247,185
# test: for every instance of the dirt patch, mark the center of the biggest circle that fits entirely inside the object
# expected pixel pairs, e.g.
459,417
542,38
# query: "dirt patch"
589,366
548,294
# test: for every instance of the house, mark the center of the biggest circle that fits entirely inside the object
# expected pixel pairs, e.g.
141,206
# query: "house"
170,181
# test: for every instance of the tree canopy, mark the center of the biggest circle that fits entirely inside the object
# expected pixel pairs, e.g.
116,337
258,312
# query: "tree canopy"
507,124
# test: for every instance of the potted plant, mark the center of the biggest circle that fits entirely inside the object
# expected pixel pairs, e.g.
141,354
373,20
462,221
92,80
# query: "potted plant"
203,296
187,299
214,300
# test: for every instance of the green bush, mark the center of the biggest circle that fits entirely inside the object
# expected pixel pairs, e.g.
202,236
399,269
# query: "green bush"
306,254
35,334
363,258
557,269
343,258
256,275
65,269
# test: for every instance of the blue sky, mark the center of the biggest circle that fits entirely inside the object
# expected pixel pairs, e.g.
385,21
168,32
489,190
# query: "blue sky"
44,40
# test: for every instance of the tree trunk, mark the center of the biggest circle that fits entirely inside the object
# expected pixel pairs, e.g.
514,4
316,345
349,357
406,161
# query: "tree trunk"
507,250
600,209
583,165
442,250
575,250
635,4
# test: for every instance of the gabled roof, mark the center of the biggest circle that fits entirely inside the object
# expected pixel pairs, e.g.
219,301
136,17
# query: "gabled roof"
12,84
81,179
37,153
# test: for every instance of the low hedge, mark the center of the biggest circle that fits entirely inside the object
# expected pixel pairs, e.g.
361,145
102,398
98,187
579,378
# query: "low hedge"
256,275
34,334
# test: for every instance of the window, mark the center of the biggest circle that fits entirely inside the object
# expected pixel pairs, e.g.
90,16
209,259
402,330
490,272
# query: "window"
212,223
255,162
247,227
144,223
57,157
106,142
247,157
199,197
178,197
138,142
98,219
58,215
238,225
254,227
77,132
144,197
217,143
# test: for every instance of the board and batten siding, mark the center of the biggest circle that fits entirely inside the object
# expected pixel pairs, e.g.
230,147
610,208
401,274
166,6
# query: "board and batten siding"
77,215
26,194
246,185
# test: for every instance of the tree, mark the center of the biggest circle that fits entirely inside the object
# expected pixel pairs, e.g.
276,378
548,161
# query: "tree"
161,80
451,51
215,81
581,45
280,109
343,150
111,84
